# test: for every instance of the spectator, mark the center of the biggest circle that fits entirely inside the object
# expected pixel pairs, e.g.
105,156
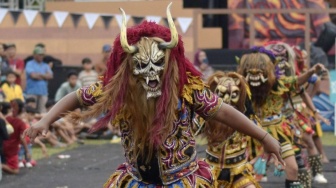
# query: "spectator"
16,64
69,86
101,65
201,62
11,146
31,102
3,136
63,128
38,74
50,60
29,118
87,76
10,88
4,67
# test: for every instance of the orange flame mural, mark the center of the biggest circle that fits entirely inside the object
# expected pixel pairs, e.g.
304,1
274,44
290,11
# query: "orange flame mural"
288,28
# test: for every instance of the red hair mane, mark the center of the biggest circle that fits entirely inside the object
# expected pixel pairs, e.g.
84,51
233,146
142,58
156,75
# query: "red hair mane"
134,34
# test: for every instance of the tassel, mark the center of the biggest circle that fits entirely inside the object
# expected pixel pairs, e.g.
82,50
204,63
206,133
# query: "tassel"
278,171
306,128
260,166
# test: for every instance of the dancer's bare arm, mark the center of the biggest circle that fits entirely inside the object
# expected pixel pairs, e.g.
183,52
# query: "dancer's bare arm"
308,101
238,121
66,104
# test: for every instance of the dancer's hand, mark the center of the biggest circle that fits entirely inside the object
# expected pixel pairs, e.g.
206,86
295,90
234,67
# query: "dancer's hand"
273,147
321,118
318,68
40,128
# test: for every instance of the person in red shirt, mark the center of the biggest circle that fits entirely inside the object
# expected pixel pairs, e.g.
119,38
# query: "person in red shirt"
16,64
11,145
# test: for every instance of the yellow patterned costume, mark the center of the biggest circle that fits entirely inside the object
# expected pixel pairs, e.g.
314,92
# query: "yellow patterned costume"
227,154
272,120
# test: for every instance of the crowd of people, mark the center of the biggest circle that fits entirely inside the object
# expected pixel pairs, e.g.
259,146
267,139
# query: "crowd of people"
24,100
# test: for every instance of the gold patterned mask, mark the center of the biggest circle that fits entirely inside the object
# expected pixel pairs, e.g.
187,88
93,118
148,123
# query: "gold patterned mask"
149,56
228,89
149,64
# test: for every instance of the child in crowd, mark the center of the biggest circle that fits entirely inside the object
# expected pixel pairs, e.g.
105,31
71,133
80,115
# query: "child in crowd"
30,118
69,86
31,102
11,146
10,88
87,76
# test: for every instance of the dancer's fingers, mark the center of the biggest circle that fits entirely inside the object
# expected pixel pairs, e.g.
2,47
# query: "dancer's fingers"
253,160
44,133
275,159
278,159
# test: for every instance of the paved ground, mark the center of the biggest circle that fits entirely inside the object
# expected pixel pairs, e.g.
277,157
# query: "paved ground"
89,167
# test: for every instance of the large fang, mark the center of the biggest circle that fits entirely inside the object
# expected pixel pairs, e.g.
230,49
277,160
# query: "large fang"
147,80
247,77
287,64
157,78
263,79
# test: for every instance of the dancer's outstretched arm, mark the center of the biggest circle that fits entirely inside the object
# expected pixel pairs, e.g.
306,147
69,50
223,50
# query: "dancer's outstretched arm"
66,104
238,121
309,102
303,78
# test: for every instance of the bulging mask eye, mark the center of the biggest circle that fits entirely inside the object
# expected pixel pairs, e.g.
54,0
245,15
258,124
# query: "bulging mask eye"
140,65
160,62
235,94
217,92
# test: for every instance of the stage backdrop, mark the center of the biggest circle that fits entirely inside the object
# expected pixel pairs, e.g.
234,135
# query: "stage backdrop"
285,27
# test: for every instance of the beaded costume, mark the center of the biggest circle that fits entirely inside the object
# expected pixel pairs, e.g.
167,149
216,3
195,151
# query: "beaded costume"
295,110
227,149
314,161
165,87
271,118
269,91
176,159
